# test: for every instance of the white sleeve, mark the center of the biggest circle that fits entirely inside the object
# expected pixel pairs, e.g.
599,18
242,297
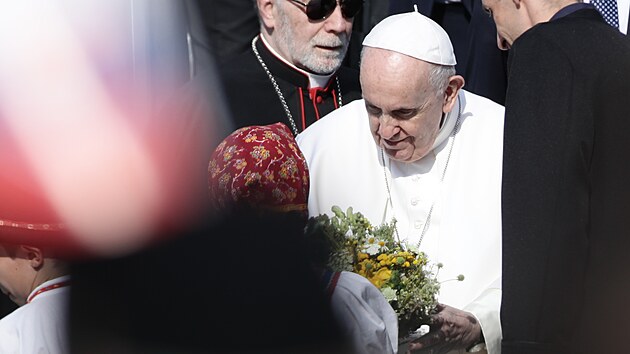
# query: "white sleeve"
365,316
486,308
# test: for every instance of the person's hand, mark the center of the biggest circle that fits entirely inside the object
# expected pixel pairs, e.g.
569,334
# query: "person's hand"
450,329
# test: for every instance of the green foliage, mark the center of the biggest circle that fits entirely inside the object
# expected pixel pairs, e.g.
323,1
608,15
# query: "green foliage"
403,276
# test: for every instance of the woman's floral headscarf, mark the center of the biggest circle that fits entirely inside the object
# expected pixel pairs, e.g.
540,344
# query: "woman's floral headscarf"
260,167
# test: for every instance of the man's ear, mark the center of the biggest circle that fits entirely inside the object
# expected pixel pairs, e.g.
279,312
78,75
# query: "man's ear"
265,12
33,254
455,83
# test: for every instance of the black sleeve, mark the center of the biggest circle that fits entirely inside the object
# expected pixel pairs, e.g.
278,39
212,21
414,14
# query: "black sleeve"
545,193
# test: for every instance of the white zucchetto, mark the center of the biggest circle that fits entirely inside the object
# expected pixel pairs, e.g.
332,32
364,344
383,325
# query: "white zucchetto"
415,35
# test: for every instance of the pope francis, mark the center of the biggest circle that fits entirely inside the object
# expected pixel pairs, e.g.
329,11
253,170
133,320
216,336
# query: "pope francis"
420,150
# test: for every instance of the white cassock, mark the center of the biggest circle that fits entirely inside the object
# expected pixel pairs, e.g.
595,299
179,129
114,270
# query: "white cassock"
464,232
39,326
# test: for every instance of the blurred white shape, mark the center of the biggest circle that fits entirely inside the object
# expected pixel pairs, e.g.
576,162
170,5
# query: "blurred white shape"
97,172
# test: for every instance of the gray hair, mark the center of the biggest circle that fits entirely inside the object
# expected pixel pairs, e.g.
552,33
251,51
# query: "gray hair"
439,76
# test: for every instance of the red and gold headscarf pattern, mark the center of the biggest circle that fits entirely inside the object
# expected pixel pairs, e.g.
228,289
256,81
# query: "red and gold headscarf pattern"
260,166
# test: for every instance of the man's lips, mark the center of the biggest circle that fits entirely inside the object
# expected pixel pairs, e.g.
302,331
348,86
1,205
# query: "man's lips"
329,47
391,144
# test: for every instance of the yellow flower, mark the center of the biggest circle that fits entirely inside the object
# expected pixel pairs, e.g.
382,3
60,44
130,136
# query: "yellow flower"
381,277
361,256
365,268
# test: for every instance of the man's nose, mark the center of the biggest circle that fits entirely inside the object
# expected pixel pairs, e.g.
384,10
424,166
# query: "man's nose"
388,128
336,22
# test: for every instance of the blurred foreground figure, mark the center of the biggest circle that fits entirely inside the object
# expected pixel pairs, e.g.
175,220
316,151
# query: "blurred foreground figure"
260,168
239,283
109,170
236,286
96,134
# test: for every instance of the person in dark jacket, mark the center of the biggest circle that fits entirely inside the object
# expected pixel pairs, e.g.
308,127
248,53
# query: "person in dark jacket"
565,198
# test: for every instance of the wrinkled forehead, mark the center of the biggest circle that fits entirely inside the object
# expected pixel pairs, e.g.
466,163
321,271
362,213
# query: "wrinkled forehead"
384,67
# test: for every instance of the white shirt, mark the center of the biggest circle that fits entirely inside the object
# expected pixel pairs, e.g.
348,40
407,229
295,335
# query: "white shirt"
465,228
364,315
39,326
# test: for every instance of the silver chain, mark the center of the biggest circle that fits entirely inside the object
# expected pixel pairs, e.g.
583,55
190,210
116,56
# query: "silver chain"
279,93
448,158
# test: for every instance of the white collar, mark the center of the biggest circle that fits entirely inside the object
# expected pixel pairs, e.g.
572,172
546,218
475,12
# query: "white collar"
449,124
50,282
313,79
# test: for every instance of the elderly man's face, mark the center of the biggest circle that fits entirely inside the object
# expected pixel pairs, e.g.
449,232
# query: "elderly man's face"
403,107
511,21
316,46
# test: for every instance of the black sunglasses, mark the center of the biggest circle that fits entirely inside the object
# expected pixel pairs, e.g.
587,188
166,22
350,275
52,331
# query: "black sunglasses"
320,9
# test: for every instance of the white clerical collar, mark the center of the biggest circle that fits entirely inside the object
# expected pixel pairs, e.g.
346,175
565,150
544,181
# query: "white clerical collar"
313,79
448,125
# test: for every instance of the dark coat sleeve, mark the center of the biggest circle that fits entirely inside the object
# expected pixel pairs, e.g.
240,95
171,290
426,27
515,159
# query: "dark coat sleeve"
566,198
545,196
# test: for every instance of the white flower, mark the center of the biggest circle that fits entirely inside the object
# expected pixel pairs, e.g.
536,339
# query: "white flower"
411,247
389,294
373,249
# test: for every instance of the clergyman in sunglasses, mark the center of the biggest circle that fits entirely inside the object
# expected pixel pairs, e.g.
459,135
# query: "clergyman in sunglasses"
293,71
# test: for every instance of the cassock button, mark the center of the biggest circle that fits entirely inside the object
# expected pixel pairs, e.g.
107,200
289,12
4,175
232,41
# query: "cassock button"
415,178
418,224
414,201
319,99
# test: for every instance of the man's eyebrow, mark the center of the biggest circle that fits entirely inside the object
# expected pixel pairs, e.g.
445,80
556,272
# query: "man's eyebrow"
406,110
370,104
419,108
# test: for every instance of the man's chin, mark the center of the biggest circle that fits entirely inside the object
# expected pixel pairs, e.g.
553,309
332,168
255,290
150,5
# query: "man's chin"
326,66
398,155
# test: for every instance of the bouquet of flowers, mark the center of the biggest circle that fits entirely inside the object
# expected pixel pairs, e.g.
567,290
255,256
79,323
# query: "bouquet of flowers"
401,272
